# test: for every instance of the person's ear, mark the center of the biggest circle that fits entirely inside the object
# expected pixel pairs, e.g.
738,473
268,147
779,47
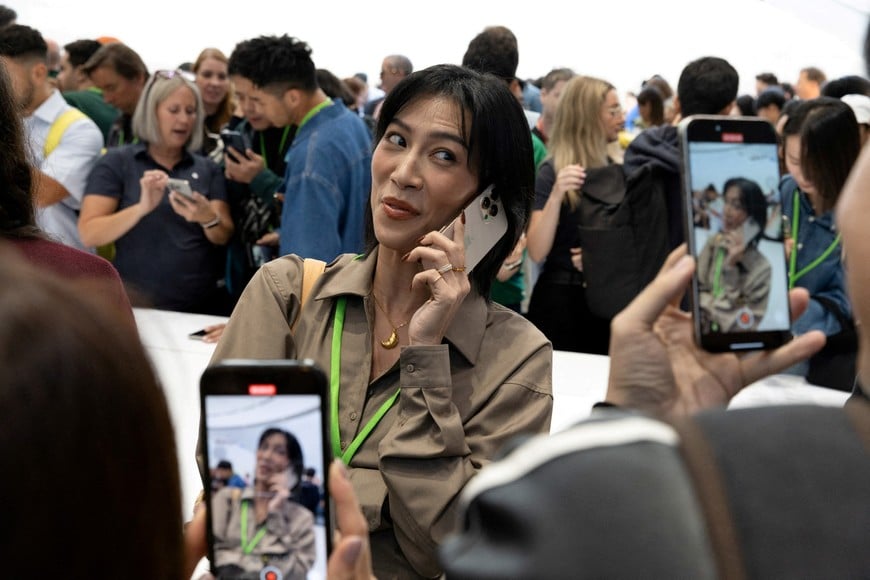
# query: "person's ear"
39,73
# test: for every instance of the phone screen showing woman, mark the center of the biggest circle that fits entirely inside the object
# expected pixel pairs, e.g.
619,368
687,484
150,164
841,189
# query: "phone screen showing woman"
731,178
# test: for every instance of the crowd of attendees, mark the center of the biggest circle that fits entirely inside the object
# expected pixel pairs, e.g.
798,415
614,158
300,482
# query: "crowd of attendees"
202,189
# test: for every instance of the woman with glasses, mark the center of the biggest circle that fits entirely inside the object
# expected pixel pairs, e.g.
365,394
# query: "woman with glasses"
733,274
168,244
588,118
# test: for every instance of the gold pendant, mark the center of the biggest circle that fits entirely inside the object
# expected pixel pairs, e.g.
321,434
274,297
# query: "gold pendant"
392,341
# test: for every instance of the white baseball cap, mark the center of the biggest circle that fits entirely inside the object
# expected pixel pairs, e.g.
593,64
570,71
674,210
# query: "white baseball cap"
860,105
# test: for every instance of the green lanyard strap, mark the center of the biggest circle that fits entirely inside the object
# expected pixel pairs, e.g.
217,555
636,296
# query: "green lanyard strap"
717,272
334,386
248,546
793,273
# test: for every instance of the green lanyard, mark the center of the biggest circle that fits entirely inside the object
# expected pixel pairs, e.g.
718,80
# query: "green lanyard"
334,384
793,273
717,272
280,147
121,138
248,546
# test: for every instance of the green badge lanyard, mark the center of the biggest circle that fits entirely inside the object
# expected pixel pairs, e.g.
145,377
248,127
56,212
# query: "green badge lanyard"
793,273
280,147
248,546
717,271
334,385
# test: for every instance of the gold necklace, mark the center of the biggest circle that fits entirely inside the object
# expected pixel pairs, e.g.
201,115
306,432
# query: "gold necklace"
393,340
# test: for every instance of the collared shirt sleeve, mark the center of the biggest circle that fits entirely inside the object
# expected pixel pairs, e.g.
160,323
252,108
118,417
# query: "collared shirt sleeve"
430,453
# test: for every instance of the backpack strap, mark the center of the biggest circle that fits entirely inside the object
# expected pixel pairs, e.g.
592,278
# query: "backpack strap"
311,271
59,127
704,471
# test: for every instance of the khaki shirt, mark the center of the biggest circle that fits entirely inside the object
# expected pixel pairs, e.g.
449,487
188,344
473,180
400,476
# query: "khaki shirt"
459,402
745,289
287,545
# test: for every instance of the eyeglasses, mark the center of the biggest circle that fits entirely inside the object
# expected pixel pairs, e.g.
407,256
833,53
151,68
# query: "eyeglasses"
171,74
167,75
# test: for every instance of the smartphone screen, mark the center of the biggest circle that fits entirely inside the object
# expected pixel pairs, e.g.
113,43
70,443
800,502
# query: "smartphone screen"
485,224
267,453
236,140
734,229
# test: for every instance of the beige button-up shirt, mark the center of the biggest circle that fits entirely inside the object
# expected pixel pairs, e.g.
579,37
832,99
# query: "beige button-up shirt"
459,401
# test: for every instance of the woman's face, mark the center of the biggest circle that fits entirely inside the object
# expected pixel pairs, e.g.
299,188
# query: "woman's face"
612,116
734,213
213,82
176,117
793,163
420,173
272,456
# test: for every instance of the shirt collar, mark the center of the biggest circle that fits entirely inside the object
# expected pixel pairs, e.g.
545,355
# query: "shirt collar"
466,330
140,151
50,107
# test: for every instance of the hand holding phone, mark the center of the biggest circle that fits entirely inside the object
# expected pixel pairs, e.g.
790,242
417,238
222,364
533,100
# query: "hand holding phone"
237,140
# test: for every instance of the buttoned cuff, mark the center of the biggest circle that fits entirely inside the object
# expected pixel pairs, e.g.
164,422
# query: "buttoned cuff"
425,366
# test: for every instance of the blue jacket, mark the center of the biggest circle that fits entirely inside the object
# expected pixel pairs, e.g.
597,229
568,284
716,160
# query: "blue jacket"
827,279
327,185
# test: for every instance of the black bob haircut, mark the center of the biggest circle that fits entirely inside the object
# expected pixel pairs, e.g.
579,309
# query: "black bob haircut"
499,143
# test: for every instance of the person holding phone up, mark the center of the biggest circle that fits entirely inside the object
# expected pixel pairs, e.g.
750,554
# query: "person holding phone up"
733,275
168,246
428,378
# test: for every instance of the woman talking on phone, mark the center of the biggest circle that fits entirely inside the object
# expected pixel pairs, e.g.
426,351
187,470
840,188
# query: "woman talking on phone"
167,245
428,378
733,275
263,525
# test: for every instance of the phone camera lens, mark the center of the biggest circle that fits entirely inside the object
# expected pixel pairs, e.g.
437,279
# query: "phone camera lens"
493,210
485,203
493,194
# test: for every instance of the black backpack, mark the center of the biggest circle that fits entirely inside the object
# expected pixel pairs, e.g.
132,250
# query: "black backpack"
623,233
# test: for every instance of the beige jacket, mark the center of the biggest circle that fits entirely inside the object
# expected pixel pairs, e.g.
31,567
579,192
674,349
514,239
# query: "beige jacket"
459,402
288,544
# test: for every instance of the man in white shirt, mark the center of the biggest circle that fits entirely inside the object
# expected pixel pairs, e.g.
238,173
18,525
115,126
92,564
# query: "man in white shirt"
63,146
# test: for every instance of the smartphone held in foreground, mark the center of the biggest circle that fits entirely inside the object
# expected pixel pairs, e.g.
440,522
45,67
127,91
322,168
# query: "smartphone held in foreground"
267,454
181,187
733,226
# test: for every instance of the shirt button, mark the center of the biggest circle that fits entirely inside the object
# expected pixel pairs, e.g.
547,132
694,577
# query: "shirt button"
353,416
800,246
344,444
410,368
373,524
811,219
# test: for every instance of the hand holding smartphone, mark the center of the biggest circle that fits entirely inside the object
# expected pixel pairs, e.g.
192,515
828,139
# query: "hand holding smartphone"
267,421
739,290
237,141
485,224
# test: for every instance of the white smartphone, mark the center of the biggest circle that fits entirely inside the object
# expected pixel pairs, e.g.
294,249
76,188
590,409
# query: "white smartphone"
743,305
485,224
181,187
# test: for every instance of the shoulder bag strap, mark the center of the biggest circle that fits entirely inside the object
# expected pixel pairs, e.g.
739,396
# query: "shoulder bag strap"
311,271
59,127
705,474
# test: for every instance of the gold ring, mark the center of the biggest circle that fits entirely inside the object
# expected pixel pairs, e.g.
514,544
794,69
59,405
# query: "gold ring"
459,269
445,268
435,281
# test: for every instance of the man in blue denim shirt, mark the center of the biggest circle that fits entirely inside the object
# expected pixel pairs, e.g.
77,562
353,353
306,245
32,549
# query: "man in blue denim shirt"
328,176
